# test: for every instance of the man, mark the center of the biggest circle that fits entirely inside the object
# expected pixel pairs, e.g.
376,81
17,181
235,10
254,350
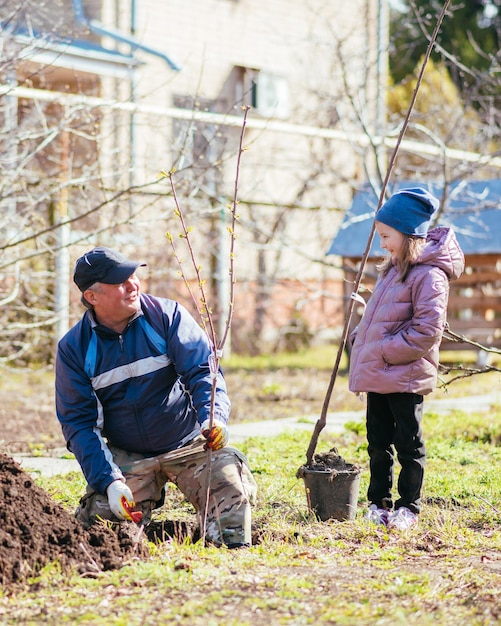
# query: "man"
133,396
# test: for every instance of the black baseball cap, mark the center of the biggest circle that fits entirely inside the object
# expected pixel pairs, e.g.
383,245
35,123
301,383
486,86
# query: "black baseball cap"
103,265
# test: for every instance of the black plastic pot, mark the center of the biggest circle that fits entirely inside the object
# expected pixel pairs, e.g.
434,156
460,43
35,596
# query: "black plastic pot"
332,494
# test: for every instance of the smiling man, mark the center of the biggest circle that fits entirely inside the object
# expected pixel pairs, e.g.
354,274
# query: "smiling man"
133,396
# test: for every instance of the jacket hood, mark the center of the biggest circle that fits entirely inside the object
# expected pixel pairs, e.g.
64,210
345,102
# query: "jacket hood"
442,250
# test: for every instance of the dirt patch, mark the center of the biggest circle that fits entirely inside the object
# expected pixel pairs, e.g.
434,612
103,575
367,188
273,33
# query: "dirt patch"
35,531
28,417
285,392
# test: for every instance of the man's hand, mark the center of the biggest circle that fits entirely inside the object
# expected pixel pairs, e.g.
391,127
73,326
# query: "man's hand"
120,499
217,436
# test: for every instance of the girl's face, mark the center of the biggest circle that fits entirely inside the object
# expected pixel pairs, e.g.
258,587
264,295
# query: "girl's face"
391,240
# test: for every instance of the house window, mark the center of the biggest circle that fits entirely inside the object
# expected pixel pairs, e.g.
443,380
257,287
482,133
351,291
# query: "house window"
267,94
272,96
245,82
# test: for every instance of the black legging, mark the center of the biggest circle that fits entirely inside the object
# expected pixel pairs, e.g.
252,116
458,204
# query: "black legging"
394,419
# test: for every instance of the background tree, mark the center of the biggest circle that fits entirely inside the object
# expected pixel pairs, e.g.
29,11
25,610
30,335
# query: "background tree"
441,118
65,163
468,42
53,173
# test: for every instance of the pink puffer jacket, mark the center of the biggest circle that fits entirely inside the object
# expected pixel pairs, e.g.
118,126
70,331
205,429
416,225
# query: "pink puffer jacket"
396,344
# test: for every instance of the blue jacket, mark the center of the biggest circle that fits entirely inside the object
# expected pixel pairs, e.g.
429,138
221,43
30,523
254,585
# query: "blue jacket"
143,390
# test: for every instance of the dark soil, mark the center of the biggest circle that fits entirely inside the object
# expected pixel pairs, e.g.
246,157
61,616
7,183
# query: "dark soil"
330,461
35,531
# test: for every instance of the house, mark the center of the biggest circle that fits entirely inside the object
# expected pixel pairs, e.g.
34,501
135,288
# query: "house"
473,210
99,96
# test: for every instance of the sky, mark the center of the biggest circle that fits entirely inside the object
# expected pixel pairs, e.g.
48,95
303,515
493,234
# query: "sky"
490,8
397,4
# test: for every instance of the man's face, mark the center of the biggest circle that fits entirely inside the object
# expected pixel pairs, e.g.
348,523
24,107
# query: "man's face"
114,305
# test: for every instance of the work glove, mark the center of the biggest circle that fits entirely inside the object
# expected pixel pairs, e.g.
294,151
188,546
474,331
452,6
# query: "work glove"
121,501
217,436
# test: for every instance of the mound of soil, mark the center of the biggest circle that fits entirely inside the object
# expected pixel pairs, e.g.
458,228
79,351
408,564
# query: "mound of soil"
35,531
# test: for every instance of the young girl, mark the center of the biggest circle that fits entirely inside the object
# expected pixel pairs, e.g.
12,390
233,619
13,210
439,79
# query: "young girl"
396,348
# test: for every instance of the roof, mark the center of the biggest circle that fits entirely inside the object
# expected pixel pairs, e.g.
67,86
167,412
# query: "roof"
472,209
76,54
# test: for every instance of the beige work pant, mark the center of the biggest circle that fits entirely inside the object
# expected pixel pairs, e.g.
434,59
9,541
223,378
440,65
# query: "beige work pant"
232,488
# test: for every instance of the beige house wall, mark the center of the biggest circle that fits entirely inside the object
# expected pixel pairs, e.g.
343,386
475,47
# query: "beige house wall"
303,155
292,186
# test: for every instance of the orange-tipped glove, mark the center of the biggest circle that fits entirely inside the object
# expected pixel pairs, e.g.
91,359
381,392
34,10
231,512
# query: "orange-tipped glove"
217,436
121,500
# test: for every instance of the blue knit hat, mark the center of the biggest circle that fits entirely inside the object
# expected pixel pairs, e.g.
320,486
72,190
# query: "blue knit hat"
409,211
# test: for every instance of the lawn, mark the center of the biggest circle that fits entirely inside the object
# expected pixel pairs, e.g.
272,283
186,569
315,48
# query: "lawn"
446,570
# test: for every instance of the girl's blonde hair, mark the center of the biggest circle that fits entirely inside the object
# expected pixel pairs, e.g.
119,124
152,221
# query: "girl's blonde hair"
411,248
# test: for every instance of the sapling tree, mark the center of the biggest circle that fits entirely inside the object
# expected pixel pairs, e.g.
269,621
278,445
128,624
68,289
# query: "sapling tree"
201,300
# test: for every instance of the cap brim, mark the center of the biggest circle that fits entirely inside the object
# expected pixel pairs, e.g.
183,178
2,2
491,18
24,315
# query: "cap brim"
121,273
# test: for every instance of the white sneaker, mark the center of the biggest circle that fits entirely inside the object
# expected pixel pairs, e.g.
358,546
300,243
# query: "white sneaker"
402,519
377,516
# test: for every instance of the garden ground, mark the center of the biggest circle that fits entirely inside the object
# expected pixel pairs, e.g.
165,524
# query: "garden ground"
299,571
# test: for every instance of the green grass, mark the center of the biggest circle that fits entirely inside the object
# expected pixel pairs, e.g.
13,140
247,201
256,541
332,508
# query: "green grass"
445,571
323,357
318,357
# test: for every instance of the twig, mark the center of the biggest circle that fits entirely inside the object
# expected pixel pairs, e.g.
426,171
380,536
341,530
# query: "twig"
93,564
488,503
468,372
452,336
140,531
231,230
